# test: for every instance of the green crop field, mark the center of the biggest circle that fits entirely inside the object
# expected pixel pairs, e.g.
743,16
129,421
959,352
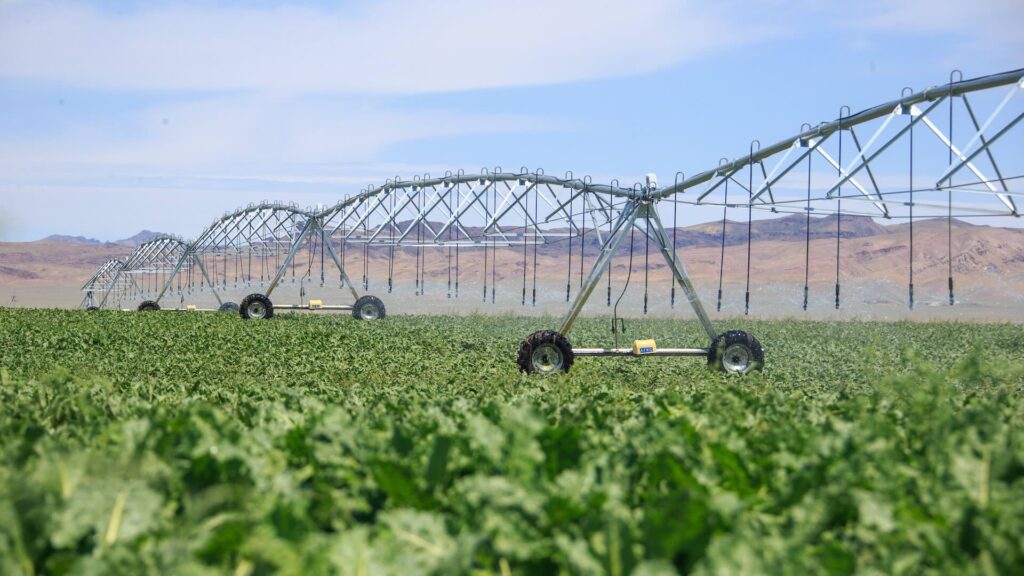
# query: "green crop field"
198,443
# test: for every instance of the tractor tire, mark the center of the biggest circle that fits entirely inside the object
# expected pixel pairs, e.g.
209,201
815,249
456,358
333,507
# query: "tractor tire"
545,352
256,307
736,352
368,308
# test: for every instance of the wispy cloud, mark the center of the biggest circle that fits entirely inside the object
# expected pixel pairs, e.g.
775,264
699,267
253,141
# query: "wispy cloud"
976,28
252,129
408,46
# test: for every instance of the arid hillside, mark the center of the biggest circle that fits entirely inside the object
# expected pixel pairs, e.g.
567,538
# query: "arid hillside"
988,265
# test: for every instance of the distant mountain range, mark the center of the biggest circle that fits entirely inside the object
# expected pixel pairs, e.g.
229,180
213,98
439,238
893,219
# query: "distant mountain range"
874,259
132,241
788,228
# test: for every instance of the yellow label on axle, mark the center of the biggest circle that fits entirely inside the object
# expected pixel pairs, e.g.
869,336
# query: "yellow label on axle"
315,304
641,347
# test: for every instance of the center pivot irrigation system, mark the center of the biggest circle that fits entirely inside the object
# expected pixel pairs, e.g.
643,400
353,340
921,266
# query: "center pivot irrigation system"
947,152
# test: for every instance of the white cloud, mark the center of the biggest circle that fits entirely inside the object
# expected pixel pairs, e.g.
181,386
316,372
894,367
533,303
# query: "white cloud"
408,46
996,17
252,133
980,28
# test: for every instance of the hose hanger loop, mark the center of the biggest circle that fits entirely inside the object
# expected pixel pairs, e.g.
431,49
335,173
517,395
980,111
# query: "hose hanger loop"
523,173
805,141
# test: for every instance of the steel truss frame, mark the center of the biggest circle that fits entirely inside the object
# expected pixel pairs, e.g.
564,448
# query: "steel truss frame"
922,109
105,280
639,209
495,208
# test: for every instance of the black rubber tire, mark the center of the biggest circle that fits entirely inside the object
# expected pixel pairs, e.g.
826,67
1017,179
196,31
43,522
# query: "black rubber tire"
254,302
746,352
368,308
229,307
92,308
148,306
551,340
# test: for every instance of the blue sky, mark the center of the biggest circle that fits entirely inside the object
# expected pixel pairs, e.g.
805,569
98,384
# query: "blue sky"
162,115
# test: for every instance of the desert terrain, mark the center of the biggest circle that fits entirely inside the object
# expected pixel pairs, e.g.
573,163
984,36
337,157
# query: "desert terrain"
988,270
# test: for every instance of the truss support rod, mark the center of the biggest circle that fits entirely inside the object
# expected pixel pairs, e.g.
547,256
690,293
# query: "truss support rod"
981,136
966,161
880,205
202,268
337,262
773,178
953,89
291,253
113,283
173,275
871,174
865,161
389,219
464,206
712,187
624,227
970,165
679,271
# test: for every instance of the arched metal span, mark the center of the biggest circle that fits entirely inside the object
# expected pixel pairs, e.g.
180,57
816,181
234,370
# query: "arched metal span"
947,151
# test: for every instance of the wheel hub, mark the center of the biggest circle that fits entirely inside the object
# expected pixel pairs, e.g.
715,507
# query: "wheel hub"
369,311
547,359
736,358
257,310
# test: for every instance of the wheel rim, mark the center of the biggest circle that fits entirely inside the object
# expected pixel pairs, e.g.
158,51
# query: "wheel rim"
547,359
736,358
256,310
369,311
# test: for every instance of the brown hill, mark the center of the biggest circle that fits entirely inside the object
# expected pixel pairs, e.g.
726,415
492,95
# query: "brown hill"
53,263
988,262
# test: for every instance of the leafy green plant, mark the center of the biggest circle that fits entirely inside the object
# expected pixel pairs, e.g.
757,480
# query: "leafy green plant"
189,443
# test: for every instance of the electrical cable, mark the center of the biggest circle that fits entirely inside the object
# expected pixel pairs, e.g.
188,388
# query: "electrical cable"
494,248
450,247
721,258
647,255
839,203
629,276
949,198
526,212
675,230
807,234
568,267
910,285
391,244
458,228
750,239
609,263
583,234
536,231
483,237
